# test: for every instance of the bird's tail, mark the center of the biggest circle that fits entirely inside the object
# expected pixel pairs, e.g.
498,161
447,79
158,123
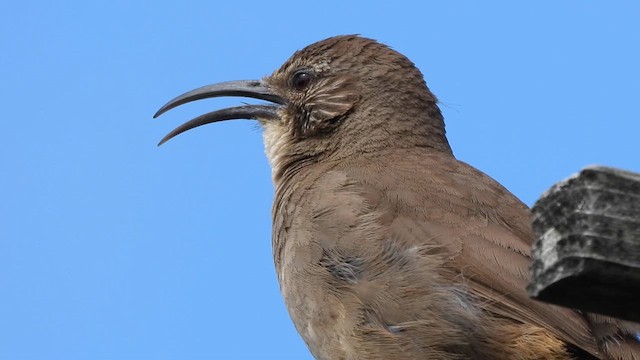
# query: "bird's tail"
617,339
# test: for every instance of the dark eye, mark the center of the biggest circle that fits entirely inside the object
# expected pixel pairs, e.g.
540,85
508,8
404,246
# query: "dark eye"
301,79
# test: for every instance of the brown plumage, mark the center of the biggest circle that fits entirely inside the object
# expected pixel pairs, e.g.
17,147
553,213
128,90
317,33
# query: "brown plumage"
385,245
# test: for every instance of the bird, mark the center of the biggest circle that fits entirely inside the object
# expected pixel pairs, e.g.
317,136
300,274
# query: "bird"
385,245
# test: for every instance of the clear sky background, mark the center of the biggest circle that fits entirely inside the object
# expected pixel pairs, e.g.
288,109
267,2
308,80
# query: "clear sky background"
113,248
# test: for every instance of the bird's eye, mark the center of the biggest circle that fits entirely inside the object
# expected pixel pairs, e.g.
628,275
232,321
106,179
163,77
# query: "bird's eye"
301,80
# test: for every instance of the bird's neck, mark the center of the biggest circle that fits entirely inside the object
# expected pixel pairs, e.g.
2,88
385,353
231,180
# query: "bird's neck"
385,126
380,130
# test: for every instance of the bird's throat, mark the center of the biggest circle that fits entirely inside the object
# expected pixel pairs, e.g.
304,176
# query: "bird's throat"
275,139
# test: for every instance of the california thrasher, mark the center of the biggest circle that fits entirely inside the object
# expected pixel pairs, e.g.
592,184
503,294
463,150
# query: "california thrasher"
385,245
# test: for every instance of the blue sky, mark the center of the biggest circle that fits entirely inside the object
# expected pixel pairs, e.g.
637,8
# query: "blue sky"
113,248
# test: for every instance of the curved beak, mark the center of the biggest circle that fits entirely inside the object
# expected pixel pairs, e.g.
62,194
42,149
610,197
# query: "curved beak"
247,88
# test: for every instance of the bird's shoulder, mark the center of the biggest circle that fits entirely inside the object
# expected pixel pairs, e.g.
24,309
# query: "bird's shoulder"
408,190
412,197
429,187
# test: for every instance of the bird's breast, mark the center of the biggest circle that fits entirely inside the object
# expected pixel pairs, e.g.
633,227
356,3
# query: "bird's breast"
353,271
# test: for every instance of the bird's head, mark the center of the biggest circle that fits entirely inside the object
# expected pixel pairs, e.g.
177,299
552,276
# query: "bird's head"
336,98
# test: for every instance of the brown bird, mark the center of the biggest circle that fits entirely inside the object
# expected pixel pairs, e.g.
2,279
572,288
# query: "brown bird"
385,245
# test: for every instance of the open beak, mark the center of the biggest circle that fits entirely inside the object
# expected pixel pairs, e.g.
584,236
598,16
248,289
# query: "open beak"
247,88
